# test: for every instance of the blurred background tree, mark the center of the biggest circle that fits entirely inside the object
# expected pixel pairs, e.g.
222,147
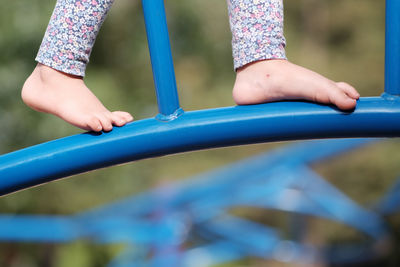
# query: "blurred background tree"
341,39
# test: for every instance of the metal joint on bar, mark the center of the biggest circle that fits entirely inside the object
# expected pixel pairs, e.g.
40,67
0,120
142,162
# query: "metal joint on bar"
161,60
170,117
390,97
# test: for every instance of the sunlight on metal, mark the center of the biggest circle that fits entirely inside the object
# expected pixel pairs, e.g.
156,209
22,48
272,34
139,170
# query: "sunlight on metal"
373,117
392,47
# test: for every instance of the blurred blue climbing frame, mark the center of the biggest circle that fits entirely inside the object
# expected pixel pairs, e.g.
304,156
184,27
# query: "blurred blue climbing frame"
190,224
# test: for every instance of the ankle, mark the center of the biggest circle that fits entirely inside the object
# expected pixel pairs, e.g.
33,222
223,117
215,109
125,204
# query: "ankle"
258,80
47,74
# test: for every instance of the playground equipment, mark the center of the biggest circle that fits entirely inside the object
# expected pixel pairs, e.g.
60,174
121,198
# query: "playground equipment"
164,219
174,130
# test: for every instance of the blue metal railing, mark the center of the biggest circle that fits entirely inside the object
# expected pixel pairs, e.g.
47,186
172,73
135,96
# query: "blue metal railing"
173,131
281,179
202,129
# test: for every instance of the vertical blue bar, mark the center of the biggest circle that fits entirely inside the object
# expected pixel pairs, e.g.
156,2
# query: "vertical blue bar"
161,59
392,47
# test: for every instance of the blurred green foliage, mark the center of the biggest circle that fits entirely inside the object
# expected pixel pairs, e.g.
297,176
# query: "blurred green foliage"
341,39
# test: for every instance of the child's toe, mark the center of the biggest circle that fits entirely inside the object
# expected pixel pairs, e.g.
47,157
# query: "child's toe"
117,119
94,124
348,89
125,115
342,100
105,121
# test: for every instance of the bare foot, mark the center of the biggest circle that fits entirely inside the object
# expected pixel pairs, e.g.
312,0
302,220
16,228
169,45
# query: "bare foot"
274,80
66,96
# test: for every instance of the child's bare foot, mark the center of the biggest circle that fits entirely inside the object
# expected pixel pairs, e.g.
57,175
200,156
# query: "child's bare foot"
66,96
273,80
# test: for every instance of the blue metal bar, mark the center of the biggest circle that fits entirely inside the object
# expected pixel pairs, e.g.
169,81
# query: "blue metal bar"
122,229
161,59
329,203
339,206
252,236
304,192
201,186
390,202
392,47
204,195
258,240
374,117
25,228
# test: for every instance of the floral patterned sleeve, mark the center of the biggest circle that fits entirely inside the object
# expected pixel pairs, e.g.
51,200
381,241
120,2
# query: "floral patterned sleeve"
71,34
257,30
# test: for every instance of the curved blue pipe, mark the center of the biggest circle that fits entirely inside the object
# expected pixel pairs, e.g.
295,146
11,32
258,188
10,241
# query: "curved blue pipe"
373,117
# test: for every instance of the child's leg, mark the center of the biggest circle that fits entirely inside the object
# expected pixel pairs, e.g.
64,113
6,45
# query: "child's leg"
56,85
263,73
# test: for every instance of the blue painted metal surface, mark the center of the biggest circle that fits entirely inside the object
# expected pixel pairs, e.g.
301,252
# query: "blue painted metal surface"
277,180
390,202
60,229
216,181
280,169
173,131
161,59
392,47
373,117
260,241
292,189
